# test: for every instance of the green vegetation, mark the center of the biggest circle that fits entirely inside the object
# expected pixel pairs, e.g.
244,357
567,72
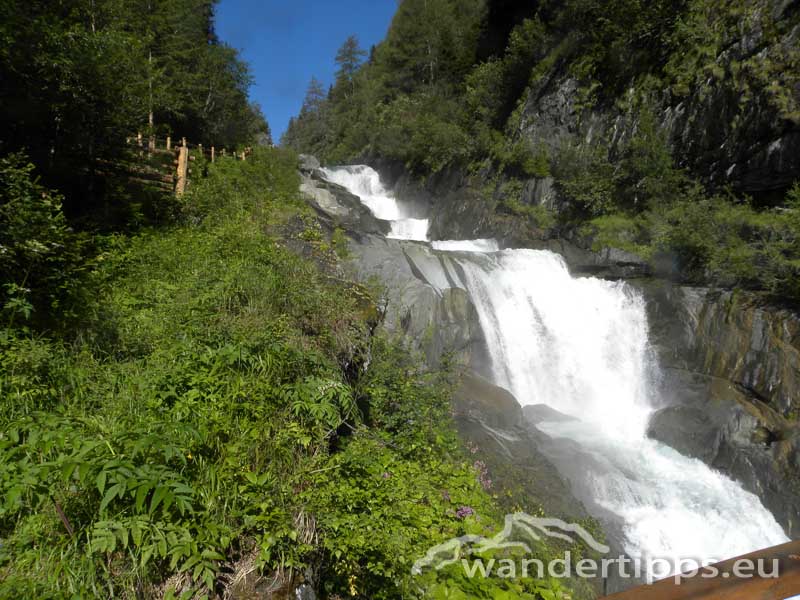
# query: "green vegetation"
218,405
191,393
644,204
434,105
80,77
404,102
42,265
187,403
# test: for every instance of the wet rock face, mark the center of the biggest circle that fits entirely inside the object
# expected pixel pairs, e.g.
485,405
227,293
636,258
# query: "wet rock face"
334,204
755,347
540,191
730,440
729,335
424,302
511,452
492,422
730,389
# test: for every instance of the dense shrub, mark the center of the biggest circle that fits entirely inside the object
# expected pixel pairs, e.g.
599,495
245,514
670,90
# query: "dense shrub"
43,264
238,415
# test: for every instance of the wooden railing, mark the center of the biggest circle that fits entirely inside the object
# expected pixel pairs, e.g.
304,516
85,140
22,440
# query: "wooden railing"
183,154
726,585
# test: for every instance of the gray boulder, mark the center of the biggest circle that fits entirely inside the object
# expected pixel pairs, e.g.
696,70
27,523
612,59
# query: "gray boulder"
339,208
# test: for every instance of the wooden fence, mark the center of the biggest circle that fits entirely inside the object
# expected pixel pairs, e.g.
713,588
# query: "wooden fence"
183,154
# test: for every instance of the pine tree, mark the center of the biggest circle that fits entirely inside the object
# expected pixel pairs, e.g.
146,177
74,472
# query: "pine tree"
307,132
349,59
315,98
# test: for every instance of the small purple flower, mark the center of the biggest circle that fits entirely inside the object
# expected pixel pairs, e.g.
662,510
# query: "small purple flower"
464,512
386,475
446,495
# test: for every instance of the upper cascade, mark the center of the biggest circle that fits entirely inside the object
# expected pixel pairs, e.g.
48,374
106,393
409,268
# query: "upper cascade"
365,182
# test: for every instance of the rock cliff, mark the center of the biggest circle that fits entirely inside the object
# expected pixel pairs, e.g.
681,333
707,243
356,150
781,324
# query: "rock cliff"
730,387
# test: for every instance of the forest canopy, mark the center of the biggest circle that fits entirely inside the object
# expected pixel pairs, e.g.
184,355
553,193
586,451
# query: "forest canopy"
79,76
578,97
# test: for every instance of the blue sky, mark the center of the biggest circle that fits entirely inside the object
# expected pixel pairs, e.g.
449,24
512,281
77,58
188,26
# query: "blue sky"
287,42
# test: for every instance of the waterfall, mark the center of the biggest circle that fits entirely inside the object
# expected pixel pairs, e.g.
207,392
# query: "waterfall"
580,346
466,245
364,182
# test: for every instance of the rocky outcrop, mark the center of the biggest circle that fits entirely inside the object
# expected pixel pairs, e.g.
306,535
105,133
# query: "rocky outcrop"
491,420
730,388
731,130
739,135
336,206
732,335
459,209
509,453
423,300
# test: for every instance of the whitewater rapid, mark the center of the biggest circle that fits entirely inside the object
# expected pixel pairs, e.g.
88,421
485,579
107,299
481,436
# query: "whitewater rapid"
580,346
364,182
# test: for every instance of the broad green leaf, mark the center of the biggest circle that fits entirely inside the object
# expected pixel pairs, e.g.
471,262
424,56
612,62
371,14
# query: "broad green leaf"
190,562
158,496
212,555
67,469
141,495
83,471
115,490
101,481
136,533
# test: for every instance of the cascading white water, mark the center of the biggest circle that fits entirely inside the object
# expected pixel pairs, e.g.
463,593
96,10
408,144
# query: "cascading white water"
364,182
580,346
577,345
466,245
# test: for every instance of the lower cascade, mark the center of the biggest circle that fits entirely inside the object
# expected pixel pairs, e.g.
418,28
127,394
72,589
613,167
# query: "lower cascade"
580,347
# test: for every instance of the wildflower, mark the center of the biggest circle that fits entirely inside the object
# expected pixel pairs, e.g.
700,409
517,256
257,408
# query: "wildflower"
464,512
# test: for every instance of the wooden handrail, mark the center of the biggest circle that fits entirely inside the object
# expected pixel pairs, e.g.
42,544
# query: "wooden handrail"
181,171
725,585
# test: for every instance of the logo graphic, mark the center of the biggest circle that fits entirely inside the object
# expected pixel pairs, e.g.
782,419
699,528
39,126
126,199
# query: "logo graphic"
518,527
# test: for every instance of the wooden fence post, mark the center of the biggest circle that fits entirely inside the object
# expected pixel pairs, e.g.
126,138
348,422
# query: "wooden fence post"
200,149
212,154
183,169
169,143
